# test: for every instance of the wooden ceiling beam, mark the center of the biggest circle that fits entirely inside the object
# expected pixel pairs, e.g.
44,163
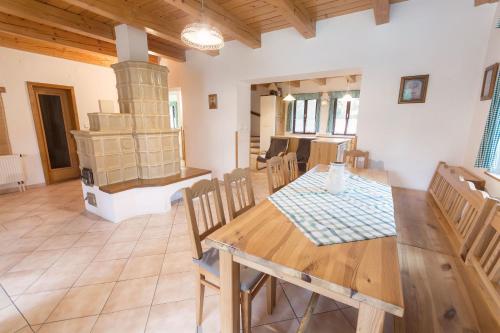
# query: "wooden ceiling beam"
381,10
22,27
296,14
482,2
295,84
320,81
53,16
219,17
121,11
54,49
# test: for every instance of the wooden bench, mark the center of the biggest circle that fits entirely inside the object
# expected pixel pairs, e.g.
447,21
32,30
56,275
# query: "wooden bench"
464,208
441,292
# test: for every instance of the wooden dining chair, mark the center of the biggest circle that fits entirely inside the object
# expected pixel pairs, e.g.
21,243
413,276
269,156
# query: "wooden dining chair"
352,158
276,174
206,194
238,183
484,256
292,166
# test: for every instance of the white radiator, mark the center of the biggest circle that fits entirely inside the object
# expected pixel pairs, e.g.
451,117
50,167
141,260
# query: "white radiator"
12,171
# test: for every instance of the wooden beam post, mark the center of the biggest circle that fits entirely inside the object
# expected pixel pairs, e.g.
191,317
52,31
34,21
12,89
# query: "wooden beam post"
482,2
320,81
381,9
219,17
296,14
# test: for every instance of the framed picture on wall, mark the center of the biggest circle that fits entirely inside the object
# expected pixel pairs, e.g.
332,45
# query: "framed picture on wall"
212,101
413,89
489,80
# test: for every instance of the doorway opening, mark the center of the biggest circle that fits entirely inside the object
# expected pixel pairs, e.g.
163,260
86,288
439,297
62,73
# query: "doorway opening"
175,112
55,116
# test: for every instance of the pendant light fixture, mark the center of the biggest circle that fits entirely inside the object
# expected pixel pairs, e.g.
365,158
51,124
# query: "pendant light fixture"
347,96
202,36
289,97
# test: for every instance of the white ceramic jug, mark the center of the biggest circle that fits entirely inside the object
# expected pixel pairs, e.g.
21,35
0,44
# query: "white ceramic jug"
335,181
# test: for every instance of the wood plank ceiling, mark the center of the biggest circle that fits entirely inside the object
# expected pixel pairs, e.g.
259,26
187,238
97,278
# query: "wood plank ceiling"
83,30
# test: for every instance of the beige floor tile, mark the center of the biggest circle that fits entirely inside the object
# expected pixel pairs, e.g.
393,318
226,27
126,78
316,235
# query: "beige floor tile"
148,247
18,245
78,255
16,283
59,242
178,262
116,251
129,234
82,301
131,294
161,219
101,272
287,326
96,238
57,277
44,230
103,226
38,260
138,267
176,317
156,232
327,322
25,329
175,287
127,321
299,298
36,308
8,235
282,310
76,227
24,222
78,325
5,300
7,261
11,320
179,230
179,243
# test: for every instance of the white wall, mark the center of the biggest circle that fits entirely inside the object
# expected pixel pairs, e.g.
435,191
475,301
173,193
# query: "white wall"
446,39
90,82
481,109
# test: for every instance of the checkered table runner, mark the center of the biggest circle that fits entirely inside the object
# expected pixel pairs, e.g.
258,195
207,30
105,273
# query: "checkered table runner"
363,211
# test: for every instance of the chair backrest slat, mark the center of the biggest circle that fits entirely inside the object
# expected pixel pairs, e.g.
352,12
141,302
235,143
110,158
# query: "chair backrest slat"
352,158
464,207
200,193
239,183
276,174
485,256
292,166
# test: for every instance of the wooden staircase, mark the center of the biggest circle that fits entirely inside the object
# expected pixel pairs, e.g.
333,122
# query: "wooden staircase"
254,150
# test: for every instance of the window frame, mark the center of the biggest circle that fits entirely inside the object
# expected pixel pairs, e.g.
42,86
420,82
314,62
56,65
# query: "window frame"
348,116
304,118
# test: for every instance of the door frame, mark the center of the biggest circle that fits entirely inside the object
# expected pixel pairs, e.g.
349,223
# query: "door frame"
42,146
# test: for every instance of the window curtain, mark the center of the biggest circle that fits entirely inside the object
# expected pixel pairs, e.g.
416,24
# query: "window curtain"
334,95
318,113
488,150
289,116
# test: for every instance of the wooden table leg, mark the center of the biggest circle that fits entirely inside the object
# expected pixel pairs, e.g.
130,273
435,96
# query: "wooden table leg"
370,319
229,293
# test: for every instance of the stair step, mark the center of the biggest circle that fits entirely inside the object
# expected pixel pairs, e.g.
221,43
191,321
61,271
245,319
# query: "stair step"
255,139
254,144
254,151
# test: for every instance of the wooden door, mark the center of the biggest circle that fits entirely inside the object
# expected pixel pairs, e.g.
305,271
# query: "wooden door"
55,116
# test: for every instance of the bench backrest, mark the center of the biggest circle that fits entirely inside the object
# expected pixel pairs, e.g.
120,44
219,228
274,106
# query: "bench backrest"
485,258
464,207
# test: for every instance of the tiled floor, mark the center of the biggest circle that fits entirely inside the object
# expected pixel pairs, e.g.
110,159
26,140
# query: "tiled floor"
64,270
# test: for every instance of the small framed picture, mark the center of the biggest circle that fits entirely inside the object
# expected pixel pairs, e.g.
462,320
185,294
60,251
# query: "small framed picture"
489,80
413,89
212,101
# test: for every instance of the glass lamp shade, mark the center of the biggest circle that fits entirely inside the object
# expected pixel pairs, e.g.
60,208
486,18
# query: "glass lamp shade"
202,36
289,98
347,97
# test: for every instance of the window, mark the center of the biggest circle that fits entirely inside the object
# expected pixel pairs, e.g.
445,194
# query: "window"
174,107
345,116
304,116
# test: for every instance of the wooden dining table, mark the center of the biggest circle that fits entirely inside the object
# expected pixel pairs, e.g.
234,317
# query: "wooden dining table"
362,274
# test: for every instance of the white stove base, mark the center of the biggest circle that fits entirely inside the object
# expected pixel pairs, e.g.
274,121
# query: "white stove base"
123,205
